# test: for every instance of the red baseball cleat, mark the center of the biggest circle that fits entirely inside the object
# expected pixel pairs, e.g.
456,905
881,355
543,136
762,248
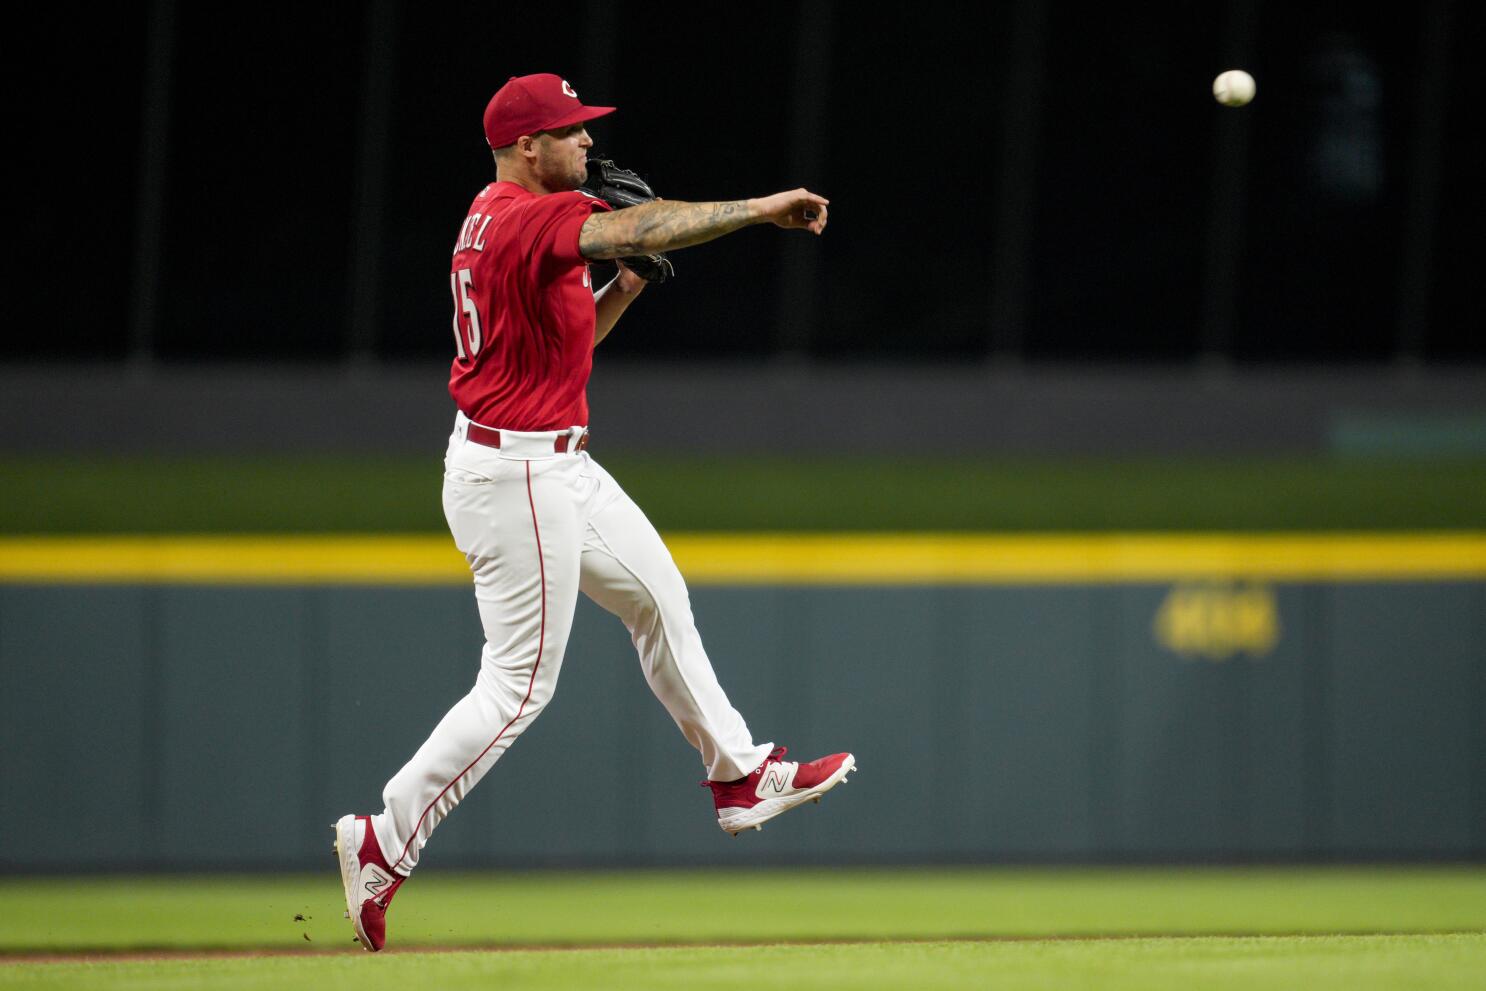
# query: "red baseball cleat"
370,882
775,786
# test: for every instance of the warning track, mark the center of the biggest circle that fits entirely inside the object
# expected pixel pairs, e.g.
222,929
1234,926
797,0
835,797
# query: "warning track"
146,954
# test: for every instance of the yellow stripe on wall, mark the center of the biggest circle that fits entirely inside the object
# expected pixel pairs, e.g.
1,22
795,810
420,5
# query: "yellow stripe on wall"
275,559
778,558
1114,557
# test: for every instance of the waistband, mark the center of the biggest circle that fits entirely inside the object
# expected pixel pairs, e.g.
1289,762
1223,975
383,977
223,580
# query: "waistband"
522,444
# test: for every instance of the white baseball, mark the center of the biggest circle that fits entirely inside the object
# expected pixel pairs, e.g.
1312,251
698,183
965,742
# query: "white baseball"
1233,88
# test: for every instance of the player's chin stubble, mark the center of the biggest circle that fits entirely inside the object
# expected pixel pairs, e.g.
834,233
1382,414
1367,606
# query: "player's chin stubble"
569,178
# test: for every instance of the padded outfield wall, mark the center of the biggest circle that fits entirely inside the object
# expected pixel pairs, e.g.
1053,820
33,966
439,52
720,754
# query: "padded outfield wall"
184,703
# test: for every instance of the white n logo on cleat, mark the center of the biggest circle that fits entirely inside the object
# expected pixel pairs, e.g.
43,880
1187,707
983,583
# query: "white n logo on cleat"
777,777
373,880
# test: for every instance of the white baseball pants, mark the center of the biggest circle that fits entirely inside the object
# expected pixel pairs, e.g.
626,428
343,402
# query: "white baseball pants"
537,527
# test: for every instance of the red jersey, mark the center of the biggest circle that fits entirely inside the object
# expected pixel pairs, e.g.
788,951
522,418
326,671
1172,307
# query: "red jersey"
523,310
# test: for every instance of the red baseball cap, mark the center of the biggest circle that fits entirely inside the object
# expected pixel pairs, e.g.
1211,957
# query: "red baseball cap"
528,104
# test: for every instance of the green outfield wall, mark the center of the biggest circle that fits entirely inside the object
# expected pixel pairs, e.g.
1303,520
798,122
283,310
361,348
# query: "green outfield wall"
1252,700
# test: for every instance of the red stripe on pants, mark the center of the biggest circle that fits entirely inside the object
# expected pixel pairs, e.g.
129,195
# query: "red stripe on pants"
541,641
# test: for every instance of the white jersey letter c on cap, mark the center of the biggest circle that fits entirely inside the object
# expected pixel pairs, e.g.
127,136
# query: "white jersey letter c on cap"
566,88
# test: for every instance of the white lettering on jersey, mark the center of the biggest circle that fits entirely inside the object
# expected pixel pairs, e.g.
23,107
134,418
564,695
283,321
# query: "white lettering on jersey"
469,237
464,229
587,278
464,305
479,244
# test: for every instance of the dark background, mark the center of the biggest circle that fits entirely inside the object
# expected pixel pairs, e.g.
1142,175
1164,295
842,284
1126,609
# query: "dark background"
1028,182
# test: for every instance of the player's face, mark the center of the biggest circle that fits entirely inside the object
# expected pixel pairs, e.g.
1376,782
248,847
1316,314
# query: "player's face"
562,157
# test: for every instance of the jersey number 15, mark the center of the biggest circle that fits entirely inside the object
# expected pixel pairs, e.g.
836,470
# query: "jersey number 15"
464,304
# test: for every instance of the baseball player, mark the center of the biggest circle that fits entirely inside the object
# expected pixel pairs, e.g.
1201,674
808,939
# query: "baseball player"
535,515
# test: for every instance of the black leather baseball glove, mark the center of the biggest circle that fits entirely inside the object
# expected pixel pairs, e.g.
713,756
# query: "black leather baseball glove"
621,188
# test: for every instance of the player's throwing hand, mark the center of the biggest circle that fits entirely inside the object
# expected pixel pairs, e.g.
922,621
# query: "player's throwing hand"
794,210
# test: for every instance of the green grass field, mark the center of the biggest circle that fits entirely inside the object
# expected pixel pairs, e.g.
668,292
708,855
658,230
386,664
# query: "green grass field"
337,494
1318,929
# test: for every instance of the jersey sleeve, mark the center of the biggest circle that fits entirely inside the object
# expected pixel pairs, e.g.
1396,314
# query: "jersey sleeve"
551,227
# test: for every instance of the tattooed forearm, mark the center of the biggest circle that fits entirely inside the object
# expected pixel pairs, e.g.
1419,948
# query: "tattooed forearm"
663,225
